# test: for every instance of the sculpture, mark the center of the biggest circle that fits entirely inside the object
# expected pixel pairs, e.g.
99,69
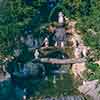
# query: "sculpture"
46,42
60,18
36,54
59,36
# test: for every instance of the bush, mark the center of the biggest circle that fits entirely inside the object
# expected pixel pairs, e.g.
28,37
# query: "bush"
95,68
92,66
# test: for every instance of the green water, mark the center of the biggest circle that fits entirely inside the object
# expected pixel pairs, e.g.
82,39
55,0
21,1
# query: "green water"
41,88
64,87
48,88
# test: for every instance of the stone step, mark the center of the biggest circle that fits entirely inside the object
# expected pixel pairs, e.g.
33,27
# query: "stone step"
66,98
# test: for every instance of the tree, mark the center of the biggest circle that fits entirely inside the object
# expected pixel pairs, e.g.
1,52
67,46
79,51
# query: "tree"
19,16
15,16
90,26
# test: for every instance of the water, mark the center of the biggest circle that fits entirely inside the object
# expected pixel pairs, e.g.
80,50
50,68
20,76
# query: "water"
64,87
38,88
35,84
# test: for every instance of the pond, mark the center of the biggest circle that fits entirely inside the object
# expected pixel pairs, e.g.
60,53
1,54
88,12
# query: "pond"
61,87
38,87
38,79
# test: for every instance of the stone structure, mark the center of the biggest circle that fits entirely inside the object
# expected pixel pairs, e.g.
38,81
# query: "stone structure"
60,98
60,36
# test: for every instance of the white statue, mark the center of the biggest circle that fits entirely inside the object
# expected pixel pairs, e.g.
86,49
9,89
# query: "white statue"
54,79
55,44
22,39
60,18
24,96
36,54
62,44
46,42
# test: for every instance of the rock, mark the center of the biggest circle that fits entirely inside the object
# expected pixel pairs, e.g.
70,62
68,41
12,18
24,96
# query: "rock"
72,23
4,76
78,69
77,52
98,62
84,49
91,88
92,32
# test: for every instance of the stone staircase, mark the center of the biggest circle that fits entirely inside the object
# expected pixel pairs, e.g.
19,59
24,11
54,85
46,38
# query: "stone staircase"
62,98
73,98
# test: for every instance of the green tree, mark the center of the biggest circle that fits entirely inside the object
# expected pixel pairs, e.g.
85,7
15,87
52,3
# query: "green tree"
15,16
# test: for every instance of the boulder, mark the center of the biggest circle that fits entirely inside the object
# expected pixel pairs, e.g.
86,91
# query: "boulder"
91,88
78,69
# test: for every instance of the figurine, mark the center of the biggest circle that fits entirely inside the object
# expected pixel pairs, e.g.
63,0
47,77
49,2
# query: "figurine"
54,79
36,54
60,18
22,39
46,42
24,96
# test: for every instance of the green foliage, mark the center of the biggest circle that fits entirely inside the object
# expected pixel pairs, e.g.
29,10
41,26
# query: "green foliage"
19,14
15,16
92,40
95,74
90,26
92,66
